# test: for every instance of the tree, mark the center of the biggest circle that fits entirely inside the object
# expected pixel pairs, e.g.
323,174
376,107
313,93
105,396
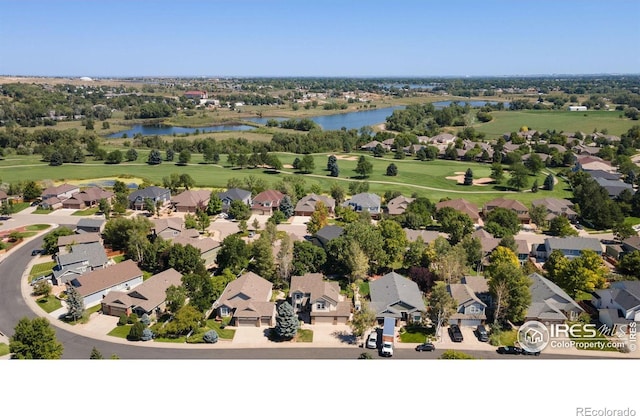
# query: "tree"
285,258
440,305
185,259
497,172
169,155
508,285
56,159
263,264
35,339
286,206
502,221
363,319
392,170
200,290
95,354
234,254
50,243
534,163
238,210
203,221
319,218
187,181
155,158
356,262
7,208
307,165
468,177
31,191
455,223
176,297
395,242
534,187
42,288
583,273
184,157
337,193
114,157
331,161
364,167
307,258
131,155
450,266
549,182
629,264
184,321
105,207
623,230
518,178
135,333
75,304
561,227
538,214
214,206
286,321
149,206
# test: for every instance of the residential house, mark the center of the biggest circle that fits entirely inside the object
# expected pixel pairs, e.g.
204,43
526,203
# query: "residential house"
234,194
511,204
87,198
586,163
614,187
318,301
569,246
154,193
395,296
479,285
427,236
488,243
196,95
619,304
612,176
463,206
91,225
208,247
51,203
61,192
266,202
556,207
77,260
191,200
549,303
148,297
95,285
470,310
172,227
307,204
365,202
398,205
373,144
66,242
247,300
443,138
324,235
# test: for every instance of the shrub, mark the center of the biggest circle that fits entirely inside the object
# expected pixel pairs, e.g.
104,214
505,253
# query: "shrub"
145,319
132,319
135,333
147,335
123,320
210,337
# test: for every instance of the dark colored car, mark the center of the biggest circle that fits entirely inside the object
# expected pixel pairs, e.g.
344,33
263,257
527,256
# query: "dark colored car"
482,334
510,350
36,252
525,352
455,333
427,346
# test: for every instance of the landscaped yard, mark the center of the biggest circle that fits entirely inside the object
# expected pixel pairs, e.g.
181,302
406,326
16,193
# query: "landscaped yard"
19,206
304,335
4,349
42,269
364,289
86,212
506,338
42,211
120,331
49,304
223,333
416,334
37,227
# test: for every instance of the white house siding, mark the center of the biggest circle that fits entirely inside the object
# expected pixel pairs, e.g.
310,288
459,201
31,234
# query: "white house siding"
96,298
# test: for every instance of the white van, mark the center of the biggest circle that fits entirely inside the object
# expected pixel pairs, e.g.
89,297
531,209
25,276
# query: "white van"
372,341
387,349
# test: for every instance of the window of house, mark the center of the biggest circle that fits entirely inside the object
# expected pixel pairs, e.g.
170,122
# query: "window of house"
320,305
224,311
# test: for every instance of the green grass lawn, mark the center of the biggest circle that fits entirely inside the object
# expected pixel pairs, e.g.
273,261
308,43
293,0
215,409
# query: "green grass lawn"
19,206
416,334
225,333
364,289
120,259
37,227
42,211
304,335
42,269
4,349
506,338
86,212
49,304
179,340
120,331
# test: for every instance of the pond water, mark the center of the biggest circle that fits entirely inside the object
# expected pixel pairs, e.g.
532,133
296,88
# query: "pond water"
160,130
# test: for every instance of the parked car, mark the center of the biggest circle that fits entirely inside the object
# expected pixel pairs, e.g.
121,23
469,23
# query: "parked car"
38,279
455,333
36,252
482,334
509,350
525,352
427,346
386,350
372,340
579,226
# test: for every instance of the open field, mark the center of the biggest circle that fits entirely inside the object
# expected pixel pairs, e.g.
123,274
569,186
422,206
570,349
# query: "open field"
567,121
423,178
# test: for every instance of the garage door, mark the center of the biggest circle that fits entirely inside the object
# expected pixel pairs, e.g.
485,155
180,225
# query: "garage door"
470,322
323,320
247,321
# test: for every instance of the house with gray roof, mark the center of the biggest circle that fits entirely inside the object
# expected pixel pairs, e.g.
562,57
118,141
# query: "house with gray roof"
395,296
619,304
154,193
66,242
234,194
95,285
556,207
479,285
91,225
614,187
324,235
549,303
318,301
569,246
149,297
247,300
81,259
470,310
365,202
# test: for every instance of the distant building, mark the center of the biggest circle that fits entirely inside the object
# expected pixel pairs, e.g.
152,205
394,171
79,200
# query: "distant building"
196,95
577,108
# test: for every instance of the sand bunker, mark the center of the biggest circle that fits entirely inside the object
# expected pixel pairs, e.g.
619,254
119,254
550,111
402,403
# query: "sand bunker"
343,157
478,182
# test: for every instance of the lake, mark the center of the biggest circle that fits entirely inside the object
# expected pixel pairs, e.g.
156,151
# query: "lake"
160,130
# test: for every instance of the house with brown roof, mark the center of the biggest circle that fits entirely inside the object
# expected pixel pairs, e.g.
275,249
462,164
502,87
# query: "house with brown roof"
398,205
149,297
247,300
556,207
87,198
511,204
95,285
317,301
266,202
61,192
208,247
461,205
307,204
171,227
427,236
587,163
470,310
191,200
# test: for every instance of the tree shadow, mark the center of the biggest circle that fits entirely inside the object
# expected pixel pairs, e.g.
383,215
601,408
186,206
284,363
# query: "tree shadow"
345,337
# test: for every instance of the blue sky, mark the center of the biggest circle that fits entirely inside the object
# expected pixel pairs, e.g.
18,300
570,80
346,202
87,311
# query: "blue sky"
318,38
